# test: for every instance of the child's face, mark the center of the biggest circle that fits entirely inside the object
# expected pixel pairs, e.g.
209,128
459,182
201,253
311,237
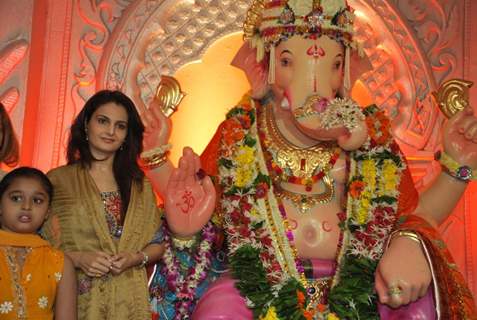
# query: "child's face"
23,206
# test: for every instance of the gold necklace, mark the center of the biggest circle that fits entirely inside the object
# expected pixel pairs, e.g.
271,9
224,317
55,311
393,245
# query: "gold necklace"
302,162
275,143
304,202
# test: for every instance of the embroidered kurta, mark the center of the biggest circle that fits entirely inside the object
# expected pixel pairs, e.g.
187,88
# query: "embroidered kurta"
78,223
28,292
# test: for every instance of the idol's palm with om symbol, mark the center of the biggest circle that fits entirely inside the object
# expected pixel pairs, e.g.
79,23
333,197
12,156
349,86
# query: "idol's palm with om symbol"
190,199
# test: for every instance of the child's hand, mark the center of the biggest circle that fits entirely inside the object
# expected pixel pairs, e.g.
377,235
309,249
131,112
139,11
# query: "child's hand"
94,264
125,260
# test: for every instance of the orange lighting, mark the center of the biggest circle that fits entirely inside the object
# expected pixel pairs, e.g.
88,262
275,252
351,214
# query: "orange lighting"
361,95
212,87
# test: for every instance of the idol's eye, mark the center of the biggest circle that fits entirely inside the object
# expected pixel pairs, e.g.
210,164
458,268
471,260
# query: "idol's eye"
337,65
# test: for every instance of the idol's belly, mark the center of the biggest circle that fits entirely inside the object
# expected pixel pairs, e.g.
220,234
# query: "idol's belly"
316,232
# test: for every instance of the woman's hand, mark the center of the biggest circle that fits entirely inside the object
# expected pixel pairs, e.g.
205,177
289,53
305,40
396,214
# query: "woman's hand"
124,261
403,274
93,264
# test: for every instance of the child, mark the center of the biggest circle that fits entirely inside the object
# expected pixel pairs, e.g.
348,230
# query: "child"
36,281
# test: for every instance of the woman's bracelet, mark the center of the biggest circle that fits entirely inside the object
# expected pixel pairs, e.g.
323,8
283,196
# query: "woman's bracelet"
145,259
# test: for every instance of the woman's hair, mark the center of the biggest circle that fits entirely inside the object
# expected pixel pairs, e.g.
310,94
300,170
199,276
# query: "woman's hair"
125,166
27,172
8,140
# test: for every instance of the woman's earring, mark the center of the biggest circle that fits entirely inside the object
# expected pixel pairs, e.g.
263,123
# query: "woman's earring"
121,147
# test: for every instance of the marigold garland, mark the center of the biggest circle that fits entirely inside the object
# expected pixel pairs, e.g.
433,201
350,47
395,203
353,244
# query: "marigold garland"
371,212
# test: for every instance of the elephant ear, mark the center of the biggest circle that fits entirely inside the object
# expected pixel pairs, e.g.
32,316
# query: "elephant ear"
256,71
359,65
356,65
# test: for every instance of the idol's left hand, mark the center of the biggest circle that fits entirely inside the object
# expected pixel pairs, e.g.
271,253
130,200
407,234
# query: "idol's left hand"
403,274
460,138
125,260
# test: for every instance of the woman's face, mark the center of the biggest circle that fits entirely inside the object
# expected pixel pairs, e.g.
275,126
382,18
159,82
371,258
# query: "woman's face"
106,130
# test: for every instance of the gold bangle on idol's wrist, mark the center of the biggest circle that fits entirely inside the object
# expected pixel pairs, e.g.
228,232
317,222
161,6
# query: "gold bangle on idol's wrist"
152,153
154,162
406,234
183,243
156,157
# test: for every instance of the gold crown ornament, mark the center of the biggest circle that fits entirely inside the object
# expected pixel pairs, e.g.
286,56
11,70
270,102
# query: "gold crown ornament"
270,21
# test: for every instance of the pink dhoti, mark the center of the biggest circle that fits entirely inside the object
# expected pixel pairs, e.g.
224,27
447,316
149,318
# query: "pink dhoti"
222,301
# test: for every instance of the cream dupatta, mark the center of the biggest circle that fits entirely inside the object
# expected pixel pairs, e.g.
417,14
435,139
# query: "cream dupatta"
78,223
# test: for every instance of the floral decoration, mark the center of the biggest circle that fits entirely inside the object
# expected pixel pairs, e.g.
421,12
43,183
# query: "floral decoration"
271,283
185,287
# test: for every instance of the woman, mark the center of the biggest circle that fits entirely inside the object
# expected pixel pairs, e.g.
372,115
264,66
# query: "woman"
104,214
8,141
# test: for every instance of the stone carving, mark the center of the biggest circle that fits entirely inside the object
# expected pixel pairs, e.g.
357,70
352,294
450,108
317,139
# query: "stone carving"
157,37
98,19
10,57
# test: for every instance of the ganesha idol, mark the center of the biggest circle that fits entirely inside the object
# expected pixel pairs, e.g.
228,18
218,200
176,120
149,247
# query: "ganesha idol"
302,206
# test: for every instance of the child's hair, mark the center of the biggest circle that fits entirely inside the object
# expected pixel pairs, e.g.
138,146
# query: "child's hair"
27,172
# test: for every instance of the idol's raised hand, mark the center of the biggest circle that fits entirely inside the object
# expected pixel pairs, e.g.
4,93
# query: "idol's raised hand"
190,197
460,138
157,127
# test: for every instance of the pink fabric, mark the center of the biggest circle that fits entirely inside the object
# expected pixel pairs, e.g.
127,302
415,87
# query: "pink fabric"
222,301
422,309
323,268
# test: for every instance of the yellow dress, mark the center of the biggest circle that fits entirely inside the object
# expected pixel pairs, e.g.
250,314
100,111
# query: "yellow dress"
78,223
28,292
